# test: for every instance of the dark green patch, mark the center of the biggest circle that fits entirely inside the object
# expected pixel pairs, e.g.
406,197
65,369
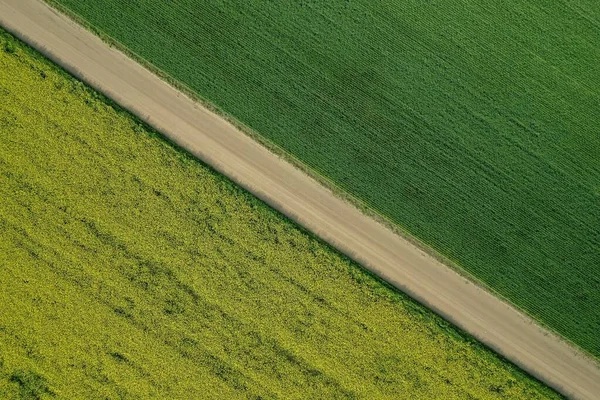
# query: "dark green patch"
32,386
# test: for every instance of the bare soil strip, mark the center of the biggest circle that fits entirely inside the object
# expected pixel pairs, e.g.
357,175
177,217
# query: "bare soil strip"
292,192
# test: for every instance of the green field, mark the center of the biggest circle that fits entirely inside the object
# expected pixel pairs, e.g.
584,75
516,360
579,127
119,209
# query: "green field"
472,125
129,270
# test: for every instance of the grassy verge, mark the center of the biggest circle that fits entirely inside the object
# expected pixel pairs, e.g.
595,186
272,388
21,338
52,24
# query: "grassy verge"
471,126
130,270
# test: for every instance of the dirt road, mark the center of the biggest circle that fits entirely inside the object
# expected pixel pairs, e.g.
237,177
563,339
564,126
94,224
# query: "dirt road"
231,152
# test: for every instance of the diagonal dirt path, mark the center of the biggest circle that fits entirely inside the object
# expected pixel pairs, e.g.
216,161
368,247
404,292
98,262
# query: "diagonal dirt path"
221,145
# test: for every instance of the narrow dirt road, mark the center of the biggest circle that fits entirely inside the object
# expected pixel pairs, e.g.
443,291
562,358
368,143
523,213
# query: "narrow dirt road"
296,195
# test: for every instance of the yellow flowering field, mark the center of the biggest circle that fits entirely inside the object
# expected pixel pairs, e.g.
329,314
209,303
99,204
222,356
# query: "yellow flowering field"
129,270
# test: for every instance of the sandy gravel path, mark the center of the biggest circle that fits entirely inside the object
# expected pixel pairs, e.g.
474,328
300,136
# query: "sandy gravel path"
296,195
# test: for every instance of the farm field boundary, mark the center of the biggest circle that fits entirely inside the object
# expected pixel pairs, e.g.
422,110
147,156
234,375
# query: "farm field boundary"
288,190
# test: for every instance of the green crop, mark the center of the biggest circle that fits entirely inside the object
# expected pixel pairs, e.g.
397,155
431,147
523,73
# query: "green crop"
471,124
130,270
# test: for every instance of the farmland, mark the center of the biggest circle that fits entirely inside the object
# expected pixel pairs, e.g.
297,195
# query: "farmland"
471,125
130,270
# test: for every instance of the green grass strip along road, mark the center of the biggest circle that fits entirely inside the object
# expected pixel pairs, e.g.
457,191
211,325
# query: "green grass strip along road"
472,125
130,270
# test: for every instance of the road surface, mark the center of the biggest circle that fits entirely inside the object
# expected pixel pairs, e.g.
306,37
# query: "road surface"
292,192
